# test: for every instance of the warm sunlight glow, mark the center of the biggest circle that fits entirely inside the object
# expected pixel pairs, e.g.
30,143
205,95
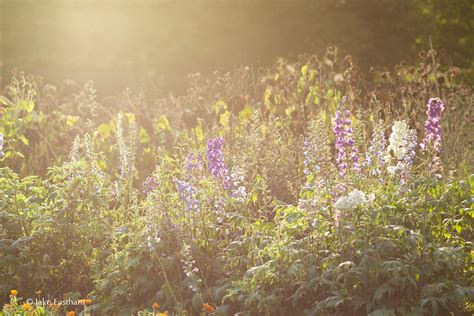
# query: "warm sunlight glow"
236,157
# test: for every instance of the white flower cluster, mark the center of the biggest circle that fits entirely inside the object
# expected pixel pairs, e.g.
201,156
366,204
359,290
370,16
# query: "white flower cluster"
398,139
188,261
188,268
399,145
355,198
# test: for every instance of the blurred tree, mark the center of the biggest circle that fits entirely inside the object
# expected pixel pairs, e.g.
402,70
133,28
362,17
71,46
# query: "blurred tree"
451,26
156,43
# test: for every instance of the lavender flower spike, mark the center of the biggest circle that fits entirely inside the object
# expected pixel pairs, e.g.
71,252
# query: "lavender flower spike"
215,161
345,142
433,125
187,194
374,157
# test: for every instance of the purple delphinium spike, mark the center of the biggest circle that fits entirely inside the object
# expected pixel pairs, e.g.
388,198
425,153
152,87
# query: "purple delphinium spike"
215,161
187,194
339,130
374,157
317,155
407,161
433,125
150,184
345,142
354,156
411,142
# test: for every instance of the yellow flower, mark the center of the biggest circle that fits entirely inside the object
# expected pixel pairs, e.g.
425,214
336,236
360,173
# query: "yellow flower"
155,305
208,308
162,314
13,292
27,307
71,313
85,301
38,292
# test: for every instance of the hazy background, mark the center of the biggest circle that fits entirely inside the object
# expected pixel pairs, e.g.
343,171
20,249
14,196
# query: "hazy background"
154,44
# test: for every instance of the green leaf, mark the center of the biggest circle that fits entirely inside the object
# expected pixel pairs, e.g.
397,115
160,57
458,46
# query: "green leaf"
197,302
220,106
380,292
28,106
304,71
162,124
143,136
24,140
104,130
71,120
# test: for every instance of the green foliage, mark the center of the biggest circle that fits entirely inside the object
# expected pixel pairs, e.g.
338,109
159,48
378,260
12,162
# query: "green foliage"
108,217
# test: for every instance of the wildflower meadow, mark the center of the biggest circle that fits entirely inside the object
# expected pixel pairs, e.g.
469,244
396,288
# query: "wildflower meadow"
303,188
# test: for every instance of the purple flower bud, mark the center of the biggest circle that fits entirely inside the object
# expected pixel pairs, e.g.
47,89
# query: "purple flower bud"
149,185
433,125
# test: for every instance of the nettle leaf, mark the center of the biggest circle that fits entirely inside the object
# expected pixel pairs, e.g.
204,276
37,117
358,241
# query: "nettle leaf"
384,289
296,269
334,301
459,295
